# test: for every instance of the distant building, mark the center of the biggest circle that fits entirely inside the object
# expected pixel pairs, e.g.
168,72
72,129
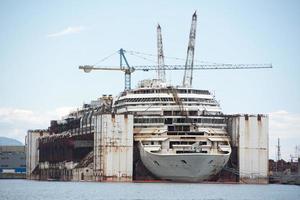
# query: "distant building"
12,161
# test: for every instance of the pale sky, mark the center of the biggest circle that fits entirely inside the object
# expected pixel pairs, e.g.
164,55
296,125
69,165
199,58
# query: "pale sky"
43,42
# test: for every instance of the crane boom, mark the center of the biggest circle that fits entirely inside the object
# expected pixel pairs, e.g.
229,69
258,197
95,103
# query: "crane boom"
188,72
88,68
161,74
204,67
130,69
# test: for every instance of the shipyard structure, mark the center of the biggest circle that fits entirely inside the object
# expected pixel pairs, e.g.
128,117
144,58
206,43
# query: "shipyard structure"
94,143
155,131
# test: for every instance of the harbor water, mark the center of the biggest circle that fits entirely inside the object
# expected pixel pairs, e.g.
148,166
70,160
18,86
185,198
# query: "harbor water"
34,190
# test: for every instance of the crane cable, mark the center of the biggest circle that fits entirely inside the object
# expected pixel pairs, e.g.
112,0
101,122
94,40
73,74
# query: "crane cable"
105,58
139,56
169,57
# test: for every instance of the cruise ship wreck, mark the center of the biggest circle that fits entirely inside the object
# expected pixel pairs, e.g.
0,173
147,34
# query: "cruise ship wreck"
153,132
180,132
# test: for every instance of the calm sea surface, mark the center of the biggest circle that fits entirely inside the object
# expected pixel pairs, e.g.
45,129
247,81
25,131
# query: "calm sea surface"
24,189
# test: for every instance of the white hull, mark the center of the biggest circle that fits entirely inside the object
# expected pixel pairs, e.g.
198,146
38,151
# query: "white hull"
193,167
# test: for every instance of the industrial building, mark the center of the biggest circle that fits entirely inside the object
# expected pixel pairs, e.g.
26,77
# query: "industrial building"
12,162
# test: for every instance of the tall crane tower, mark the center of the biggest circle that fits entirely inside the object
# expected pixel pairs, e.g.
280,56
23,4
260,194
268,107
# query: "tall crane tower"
161,74
189,63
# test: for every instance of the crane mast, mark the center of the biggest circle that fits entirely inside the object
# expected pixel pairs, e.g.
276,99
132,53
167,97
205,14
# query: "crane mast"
161,74
189,63
128,70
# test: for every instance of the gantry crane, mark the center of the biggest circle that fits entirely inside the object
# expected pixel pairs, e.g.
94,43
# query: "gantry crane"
161,67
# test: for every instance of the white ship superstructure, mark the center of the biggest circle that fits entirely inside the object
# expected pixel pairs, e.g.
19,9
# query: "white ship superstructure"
181,131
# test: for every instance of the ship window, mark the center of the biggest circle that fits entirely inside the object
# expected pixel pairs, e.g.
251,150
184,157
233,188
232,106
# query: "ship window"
177,113
171,128
178,128
180,120
171,133
186,128
193,113
168,113
206,120
168,121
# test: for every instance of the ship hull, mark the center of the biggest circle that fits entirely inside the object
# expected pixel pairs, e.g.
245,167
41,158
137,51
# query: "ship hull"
194,167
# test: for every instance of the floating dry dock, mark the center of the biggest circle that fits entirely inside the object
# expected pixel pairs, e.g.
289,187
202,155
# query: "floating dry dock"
156,131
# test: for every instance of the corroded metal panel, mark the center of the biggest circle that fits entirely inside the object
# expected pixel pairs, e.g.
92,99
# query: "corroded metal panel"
250,134
113,147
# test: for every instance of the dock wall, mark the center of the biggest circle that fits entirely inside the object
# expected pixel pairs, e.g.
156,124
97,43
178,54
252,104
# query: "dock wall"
106,153
113,147
32,151
250,135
